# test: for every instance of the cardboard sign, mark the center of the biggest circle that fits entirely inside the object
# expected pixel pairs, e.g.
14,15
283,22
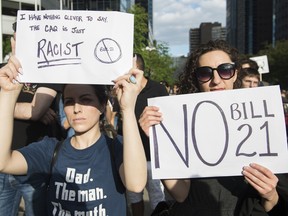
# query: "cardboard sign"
58,46
217,133
262,62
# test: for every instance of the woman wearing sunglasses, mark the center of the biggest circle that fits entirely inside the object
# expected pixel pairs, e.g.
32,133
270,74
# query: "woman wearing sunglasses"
213,67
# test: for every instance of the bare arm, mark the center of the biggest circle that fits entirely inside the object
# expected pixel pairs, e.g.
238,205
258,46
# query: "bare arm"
133,171
10,161
40,104
178,188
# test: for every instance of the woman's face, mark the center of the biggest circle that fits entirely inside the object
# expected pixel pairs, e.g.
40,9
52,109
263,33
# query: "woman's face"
213,59
81,106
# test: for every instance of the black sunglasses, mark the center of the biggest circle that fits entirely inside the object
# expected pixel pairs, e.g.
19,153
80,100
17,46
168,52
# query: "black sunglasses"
225,71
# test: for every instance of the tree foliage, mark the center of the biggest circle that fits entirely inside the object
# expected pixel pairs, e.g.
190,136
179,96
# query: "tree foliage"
140,27
278,64
159,64
6,45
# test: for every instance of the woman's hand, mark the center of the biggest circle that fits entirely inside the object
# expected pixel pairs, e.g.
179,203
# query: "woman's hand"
149,117
265,182
49,117
128,87
9,74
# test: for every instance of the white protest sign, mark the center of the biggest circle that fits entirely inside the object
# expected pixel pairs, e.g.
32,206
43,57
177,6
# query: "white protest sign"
58,46
217,133
262,62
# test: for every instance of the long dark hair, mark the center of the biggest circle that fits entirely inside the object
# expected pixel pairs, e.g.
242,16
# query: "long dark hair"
188,82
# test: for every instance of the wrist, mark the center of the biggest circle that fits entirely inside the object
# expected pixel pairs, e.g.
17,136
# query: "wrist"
127,112
269,204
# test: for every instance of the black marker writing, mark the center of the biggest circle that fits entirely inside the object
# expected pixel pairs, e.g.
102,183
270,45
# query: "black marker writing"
73,18
58,53
22,17
34,17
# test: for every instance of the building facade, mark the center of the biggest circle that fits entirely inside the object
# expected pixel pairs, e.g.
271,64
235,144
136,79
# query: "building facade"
207,31
281,19
249,24
102,5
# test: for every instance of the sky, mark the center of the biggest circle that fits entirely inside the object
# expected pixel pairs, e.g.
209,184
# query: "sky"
174,18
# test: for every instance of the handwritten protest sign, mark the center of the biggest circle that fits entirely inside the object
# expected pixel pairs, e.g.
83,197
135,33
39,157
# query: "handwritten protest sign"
262,62
217,133
56,46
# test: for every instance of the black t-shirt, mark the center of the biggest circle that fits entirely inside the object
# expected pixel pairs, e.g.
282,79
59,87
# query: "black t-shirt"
151,90
229,196
26,131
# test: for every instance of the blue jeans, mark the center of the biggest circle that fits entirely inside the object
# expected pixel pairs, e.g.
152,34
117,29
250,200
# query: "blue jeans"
11,191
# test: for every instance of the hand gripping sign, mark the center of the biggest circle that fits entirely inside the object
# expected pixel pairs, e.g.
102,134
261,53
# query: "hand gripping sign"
217,133
58,46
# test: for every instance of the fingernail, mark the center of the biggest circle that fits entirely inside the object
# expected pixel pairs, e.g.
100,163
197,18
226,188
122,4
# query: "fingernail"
18,78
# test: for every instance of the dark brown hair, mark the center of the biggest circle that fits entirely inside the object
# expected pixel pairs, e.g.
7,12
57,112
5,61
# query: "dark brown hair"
188,82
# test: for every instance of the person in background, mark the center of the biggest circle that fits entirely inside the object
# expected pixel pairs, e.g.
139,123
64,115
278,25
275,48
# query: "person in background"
167,86
115,109
92,170
155,189
258,191
248,63
248,76
175,89
34,117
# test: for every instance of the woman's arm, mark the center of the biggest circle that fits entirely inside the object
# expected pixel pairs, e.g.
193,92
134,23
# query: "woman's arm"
40,104
10,161
133,171
178,188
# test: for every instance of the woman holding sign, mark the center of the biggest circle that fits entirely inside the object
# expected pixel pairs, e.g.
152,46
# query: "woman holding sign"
213,67
87,173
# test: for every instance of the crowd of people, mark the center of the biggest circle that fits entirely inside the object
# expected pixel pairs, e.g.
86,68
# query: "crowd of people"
81,149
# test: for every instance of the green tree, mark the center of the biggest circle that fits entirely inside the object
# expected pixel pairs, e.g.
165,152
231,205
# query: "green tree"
159,64
140,27
6,45
278,63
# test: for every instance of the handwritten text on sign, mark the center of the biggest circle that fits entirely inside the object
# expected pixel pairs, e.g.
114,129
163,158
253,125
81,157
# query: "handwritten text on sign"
58,46
217,133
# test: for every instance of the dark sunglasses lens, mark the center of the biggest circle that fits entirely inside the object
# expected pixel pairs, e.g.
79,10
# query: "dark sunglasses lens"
226,71
204,74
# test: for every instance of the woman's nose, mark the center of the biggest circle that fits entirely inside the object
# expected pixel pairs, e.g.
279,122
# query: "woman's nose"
216,79
77,108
